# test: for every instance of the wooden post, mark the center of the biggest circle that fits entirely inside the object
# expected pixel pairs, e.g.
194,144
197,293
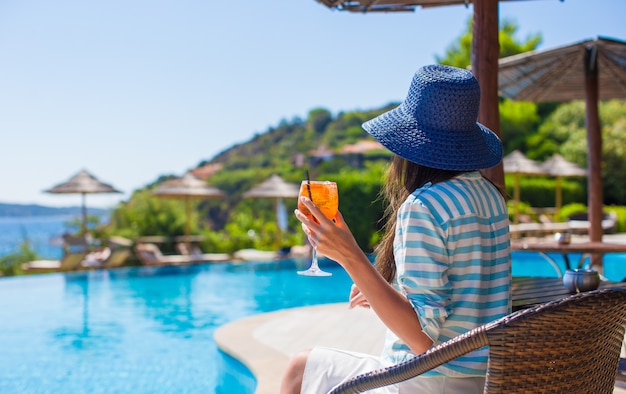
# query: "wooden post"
484,58
83,223
187,223
279,235
594,151
558,199
516,198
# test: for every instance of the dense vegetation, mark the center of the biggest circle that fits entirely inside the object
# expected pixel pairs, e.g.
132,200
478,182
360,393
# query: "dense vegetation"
226,223
538,130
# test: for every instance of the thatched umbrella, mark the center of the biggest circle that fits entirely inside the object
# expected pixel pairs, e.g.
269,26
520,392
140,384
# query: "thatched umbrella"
517,163
592,70
558,167
188,187
275,188
82,183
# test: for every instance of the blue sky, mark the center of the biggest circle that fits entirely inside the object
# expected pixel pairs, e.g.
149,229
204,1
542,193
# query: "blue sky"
131,90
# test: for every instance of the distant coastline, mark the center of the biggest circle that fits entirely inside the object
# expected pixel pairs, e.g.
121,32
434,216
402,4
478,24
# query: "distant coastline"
34,210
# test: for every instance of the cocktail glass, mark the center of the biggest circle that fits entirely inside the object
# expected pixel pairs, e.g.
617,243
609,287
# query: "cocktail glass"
324,196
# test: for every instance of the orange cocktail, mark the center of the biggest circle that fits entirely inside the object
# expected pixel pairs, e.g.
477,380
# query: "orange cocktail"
324,196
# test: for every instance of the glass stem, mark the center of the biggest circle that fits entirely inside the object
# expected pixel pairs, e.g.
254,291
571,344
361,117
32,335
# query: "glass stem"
314,265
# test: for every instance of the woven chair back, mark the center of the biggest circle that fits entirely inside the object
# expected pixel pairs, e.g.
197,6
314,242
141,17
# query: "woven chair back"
570,346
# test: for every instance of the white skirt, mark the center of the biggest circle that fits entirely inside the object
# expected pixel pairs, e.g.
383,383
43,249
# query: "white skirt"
326,368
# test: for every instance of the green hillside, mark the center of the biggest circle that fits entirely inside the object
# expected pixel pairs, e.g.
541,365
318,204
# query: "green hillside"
318,143
288,150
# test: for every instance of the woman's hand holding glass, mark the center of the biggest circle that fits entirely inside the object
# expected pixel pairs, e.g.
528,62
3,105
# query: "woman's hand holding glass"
326,198
330,237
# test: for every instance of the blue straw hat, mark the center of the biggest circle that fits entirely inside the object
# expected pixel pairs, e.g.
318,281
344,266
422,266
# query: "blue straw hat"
436,125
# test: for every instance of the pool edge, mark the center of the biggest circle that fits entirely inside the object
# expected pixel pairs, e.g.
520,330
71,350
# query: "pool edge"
264,343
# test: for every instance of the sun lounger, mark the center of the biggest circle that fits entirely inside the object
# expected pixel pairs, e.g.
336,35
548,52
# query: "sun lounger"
111,256
256,255
120,252
96,258
75,250
196,254
576,224
150,254
210,257
537,229
70,261
579,223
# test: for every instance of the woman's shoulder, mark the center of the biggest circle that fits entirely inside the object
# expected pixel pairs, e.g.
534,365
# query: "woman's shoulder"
428,201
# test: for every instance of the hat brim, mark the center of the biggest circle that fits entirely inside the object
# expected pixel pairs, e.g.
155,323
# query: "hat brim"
403,135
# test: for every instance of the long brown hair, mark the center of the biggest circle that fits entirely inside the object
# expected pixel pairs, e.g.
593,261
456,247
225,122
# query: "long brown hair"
403,178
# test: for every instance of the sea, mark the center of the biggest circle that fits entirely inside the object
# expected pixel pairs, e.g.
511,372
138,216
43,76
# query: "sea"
43,234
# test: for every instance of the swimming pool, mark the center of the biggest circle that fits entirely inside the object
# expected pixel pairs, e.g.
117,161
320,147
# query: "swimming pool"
150,330
142,330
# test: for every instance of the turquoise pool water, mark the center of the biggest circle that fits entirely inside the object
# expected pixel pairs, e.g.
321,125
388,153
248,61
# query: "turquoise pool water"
142,330
533,264
150,330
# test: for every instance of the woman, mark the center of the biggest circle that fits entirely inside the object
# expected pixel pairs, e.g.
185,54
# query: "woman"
443,266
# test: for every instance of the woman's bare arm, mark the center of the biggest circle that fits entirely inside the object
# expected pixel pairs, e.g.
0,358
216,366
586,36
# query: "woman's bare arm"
334,240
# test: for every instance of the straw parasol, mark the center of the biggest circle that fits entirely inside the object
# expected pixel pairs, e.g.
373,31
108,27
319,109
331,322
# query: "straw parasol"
558,167
275,188
188,187
82,183
592,70
517,163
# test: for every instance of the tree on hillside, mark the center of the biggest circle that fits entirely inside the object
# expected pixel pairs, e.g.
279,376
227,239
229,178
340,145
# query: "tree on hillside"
458,54
345,129
565,132
319,118
517,119
567,121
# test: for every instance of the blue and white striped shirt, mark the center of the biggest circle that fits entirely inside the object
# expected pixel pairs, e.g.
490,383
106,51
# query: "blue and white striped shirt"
453,259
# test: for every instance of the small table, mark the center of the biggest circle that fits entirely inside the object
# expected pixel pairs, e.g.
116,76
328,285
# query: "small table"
585,248
531,290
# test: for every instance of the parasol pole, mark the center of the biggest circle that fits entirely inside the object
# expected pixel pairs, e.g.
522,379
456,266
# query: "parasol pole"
559,198
83,224
594,145
278,229
484,59
516,196
187,225
594,152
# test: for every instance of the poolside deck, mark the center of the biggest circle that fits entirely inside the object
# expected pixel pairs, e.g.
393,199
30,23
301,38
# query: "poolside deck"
265,342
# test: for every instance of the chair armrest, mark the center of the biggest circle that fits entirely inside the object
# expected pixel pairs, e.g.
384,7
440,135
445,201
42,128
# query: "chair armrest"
434,357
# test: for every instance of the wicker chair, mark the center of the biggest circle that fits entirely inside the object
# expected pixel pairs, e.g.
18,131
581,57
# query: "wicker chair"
567,346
